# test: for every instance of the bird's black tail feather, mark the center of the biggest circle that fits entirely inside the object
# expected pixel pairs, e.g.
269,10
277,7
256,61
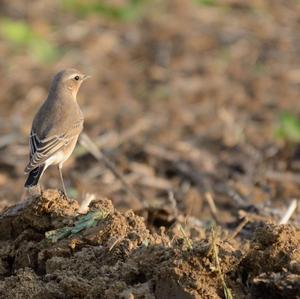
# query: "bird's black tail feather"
34,176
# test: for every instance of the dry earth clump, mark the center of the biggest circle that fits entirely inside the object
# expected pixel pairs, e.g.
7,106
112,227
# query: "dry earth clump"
48,250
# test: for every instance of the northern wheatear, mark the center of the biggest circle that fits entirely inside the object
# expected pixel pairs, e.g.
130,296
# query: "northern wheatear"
56,127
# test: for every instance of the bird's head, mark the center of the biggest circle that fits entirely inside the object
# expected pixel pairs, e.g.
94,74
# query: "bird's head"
68,80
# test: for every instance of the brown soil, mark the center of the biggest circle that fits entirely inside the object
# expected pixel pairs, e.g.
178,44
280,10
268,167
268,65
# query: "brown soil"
120,258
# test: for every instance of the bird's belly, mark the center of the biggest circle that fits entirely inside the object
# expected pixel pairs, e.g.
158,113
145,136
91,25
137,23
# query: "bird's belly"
56,158
62,155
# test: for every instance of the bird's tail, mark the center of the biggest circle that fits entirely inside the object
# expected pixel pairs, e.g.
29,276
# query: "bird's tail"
34,176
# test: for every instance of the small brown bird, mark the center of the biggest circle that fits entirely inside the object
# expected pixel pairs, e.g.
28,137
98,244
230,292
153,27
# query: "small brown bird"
56,127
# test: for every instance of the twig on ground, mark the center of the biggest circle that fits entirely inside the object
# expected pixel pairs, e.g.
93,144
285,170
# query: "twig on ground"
212,205
239,228
84,206
185,237
92,148
289,212
114,243
283,176
253,217
155,183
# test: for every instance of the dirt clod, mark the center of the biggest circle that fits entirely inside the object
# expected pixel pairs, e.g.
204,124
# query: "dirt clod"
273,257
120,258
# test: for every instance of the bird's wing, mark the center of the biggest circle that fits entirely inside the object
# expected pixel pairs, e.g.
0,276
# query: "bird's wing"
43,149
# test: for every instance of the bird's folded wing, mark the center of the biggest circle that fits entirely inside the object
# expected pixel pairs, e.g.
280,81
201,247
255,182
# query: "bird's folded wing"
43,149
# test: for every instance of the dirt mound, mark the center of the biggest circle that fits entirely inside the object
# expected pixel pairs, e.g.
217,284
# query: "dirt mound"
272,265
48,250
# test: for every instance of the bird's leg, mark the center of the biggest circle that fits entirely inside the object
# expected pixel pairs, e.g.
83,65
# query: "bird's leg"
62,180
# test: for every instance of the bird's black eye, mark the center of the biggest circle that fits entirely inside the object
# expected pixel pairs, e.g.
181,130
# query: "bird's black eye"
76,78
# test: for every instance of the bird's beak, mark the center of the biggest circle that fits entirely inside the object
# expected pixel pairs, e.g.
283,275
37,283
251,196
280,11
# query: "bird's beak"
85,77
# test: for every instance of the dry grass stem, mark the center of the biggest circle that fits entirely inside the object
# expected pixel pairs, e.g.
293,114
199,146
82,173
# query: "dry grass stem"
211,203
215,252
289,213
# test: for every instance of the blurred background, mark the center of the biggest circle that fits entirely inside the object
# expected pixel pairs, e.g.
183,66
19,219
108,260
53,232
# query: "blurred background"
195,102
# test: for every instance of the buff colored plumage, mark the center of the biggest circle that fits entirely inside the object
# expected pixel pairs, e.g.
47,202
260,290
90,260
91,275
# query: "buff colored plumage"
56,126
